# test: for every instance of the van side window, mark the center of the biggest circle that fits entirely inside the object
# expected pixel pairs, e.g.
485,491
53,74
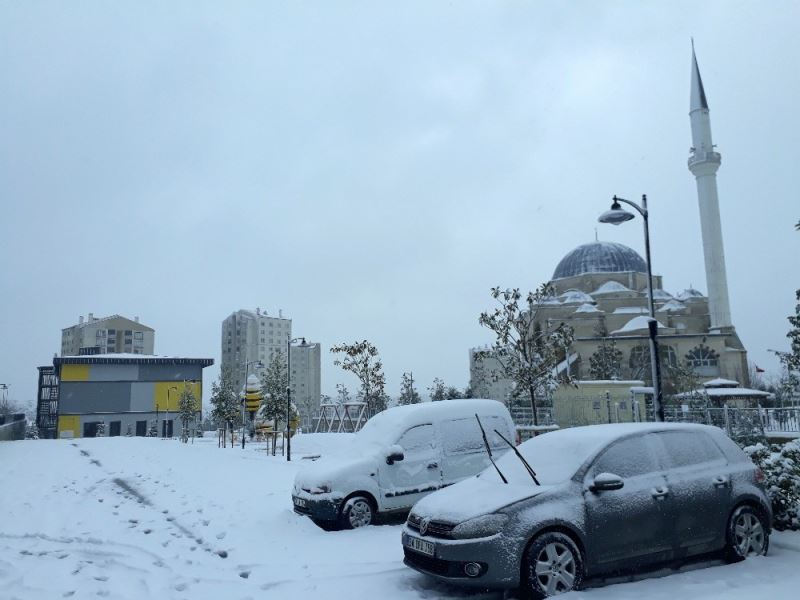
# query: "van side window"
686,448
627,458
462,436
418,441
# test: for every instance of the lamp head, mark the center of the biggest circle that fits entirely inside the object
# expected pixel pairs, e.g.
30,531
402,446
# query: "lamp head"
616,214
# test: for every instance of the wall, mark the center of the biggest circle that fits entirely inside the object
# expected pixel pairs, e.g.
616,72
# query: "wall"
13,428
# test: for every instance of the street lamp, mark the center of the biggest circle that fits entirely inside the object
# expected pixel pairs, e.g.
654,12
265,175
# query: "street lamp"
166,417
303,344
246,373
616,216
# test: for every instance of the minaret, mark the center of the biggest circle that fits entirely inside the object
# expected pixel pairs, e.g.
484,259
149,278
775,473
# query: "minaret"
703,163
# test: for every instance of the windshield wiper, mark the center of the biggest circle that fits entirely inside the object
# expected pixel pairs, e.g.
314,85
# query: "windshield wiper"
489,451
531,472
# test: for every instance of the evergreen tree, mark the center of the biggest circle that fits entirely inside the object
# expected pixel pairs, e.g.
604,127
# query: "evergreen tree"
362,359
606,362
274,381
453,393
526,354
187,410
225,411
437,391
408,395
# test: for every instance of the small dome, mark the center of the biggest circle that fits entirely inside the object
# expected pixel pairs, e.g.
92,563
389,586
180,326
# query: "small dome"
611,287
600,257
575,296
689,294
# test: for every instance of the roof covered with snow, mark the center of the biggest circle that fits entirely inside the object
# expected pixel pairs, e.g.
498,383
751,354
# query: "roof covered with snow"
672,306
636,324
611,287
599,257
587,308
689,294
637,310
719,382
574,296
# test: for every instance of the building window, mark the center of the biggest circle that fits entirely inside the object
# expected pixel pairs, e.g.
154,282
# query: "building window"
702,356
138,335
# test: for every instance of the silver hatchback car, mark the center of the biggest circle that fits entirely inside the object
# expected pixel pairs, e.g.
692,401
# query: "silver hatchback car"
592,500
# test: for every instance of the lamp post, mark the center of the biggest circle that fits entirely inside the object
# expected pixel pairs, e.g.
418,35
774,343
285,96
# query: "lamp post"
166,416
247,364
617,215
289,342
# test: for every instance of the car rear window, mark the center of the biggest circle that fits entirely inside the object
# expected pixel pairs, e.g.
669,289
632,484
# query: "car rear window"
685,448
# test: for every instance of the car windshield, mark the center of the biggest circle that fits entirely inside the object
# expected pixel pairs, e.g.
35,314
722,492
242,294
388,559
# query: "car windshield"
555,457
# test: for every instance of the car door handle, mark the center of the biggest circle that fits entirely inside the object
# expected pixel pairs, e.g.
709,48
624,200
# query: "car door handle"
433,465
659,493
720,481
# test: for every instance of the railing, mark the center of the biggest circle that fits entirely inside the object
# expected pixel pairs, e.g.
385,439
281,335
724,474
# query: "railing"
785,420
523,415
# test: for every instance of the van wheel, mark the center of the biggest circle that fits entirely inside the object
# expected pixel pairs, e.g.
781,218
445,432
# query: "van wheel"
553,565
357,512
747,534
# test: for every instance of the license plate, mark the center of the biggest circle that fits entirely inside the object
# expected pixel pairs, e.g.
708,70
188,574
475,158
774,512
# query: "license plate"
299,502
421,546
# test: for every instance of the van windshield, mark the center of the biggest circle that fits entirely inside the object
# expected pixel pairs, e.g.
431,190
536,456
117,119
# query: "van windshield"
381,430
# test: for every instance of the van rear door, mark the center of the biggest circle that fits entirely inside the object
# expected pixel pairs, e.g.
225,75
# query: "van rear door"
463,448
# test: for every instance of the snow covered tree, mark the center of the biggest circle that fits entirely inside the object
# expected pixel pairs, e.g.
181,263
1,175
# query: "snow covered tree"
453,393
225,410
32,432
606,362
361,359
100,429
274,381
526,354
437,391
790,381
781,467
187,410
342,394
408,395
152,431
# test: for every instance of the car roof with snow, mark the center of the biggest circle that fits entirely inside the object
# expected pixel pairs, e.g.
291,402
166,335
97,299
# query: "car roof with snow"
400,418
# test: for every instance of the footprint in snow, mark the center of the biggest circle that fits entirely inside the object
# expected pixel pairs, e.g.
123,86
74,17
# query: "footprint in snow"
221,535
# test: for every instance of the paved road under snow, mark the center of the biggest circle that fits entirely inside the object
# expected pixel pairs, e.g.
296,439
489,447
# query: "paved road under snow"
136,517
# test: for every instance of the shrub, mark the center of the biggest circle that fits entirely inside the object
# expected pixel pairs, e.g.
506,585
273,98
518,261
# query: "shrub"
781,467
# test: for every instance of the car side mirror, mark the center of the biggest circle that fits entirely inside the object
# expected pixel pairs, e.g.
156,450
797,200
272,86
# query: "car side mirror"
605,482
395,455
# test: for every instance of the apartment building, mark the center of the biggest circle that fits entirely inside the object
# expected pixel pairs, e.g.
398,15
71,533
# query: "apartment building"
107,335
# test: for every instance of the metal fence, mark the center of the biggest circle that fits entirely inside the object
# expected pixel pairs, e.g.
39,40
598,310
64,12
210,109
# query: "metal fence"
767,420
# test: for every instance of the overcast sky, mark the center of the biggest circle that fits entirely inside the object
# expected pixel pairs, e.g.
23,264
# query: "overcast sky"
374,168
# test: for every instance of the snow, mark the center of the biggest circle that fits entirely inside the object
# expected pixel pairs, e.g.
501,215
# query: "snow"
574,296
636,324
640,310
689,294
724,392
719,382
611,287
587,308
659,294
672,306
132,518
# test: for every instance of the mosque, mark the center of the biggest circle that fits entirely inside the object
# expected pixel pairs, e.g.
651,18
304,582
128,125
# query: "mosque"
601,292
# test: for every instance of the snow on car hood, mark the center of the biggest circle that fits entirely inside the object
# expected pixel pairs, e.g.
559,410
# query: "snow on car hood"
473,497
334,471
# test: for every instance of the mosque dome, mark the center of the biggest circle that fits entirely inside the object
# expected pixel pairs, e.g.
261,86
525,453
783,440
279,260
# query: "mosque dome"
600,257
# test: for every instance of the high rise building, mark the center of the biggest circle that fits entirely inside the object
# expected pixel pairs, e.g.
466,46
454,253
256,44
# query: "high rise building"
249,337
305,381
107,335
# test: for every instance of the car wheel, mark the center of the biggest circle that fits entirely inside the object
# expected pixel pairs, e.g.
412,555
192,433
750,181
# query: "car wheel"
357,512
747,535
553,565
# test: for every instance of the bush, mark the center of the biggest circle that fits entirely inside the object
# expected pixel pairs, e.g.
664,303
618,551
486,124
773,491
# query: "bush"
781,467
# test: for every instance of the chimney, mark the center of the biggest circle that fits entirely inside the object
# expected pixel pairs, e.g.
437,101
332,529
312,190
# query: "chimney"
91,317
80,320
280,313
258,311
136,319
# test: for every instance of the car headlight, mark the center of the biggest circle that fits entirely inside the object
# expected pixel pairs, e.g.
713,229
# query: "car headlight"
484,526
323,488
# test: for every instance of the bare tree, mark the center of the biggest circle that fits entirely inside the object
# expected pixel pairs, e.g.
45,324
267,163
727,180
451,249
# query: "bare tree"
361,359
526,353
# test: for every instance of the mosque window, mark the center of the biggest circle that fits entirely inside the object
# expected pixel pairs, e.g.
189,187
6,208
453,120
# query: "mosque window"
702,356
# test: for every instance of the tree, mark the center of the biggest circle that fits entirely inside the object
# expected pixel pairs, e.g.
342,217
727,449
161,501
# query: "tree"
789,386
342,394
187,409
274,381
606,362
453,393
361,359
437,390
527,354
224,401
100,429
408,395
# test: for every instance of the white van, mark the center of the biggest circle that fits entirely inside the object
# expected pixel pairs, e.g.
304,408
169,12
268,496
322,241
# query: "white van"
401,455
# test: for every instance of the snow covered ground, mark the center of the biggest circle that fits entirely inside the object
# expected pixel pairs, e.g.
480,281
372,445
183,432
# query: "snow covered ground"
139,517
